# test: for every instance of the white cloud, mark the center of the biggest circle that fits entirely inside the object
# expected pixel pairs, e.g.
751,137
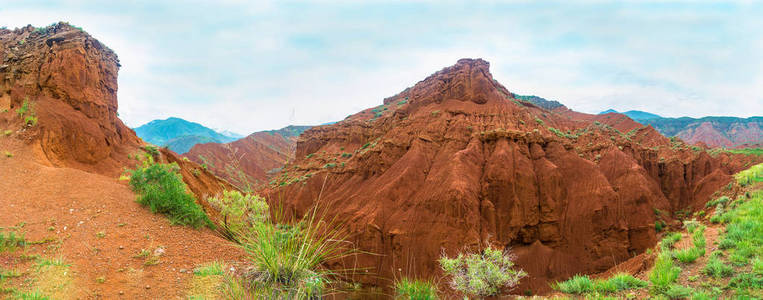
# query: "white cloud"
247,66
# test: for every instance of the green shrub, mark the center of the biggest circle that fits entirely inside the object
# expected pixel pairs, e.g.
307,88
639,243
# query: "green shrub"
161,188
483,274
152,150
239,212
659,225
414,289
722,200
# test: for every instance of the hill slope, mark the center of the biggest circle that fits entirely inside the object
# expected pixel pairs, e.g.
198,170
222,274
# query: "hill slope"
456,162
252,159
179,135
729,132
63,149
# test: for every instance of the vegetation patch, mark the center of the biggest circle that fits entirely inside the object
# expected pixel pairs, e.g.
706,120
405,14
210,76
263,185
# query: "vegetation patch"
239,212
161,188
416,289
482,274
10,241
585,285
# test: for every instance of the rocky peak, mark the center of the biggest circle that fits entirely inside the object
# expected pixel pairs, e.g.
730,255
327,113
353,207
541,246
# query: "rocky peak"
70,80
467,80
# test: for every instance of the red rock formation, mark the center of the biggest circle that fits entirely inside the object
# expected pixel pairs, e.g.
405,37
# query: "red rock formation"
69,80
455,162
257,156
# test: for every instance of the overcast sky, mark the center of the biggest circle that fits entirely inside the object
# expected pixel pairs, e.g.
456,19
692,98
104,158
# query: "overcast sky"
247,67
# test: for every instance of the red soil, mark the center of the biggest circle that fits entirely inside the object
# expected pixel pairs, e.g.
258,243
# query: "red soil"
454,163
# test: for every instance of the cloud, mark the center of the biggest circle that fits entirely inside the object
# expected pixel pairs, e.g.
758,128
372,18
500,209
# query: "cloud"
247,66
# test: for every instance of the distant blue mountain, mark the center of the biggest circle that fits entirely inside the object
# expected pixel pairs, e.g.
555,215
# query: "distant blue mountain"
634,114
179,135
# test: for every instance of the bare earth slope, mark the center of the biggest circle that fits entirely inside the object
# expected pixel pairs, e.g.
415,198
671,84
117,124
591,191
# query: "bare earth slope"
455,162
258,155
58,175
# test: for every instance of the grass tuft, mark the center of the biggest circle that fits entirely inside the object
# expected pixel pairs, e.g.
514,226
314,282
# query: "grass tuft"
414,289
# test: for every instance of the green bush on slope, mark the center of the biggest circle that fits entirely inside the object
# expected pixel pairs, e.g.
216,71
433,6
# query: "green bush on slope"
161,188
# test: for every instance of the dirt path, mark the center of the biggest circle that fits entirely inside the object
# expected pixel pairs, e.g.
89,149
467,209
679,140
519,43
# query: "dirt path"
94,224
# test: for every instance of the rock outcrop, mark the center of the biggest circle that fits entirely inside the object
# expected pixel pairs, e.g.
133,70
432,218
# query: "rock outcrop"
455,162
66,81
69,81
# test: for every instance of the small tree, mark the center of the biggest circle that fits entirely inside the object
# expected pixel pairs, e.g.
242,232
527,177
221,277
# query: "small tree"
484,274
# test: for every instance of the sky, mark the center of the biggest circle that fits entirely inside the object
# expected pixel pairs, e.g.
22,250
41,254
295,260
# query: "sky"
247,66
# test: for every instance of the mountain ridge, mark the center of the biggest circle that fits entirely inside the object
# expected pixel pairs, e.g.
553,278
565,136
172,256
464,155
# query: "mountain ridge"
178,134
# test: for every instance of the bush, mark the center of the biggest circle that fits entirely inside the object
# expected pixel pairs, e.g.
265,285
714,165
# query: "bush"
162,189
239,212
482,274
659,225
413,289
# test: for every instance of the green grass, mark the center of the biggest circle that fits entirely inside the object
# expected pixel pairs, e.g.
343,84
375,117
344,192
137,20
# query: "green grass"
482,274
664,273
678,292
746,151
10,241
688,255
716,268
31,296
415,289
752,175
161,188
289,257
669,240
210,269
585,285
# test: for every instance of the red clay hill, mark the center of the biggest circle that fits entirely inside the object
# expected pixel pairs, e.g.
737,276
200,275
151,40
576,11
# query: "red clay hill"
249,160
455,162
66,81
63,149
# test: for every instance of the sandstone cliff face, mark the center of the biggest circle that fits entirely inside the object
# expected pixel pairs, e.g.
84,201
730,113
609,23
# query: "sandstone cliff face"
70,80
455,162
